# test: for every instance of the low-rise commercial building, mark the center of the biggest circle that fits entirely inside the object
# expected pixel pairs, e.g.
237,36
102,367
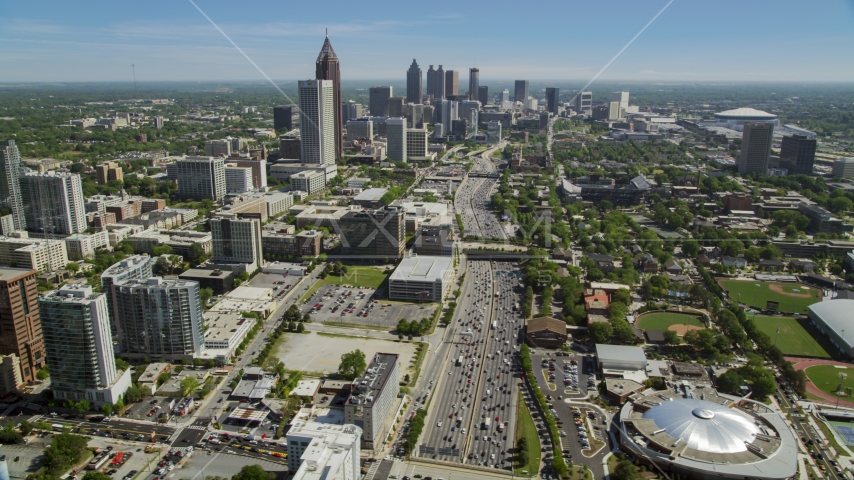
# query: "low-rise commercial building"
247,206
421,278
83,245
315,216
32,253
822,221
187,243
370,198
225,331
615,360
220,281
283,171
308,181
434,241
545,332
276,243
163,219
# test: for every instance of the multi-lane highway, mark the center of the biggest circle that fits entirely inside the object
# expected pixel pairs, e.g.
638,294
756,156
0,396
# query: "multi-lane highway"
473,198
473,414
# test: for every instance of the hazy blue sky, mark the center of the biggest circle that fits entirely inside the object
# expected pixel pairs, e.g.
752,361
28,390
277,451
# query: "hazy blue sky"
720,40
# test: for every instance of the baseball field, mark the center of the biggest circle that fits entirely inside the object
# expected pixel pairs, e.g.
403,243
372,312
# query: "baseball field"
679,322
791,297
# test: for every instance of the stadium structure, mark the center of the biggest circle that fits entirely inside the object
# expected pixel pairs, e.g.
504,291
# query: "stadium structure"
701,434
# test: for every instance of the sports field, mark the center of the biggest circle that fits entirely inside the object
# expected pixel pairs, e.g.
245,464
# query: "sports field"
826,378
664,320
792,297
794,338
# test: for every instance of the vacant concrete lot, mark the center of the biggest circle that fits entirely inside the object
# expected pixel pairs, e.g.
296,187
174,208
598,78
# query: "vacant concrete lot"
384,314
321,353
222,465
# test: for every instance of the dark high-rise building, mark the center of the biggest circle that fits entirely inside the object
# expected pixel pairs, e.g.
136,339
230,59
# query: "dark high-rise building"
20,323
755,147
483,94
378,103
474,83
552,99
373,234
283,118
798,154
413,83
439,90
328,68
431,81
436,82
521,91
452,83
395,106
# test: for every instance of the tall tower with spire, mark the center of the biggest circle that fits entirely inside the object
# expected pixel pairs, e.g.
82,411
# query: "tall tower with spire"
328,68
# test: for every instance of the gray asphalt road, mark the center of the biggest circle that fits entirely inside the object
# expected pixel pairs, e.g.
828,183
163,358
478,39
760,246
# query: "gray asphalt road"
479,392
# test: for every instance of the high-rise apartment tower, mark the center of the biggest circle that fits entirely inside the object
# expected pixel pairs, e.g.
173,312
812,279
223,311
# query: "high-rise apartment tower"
317,121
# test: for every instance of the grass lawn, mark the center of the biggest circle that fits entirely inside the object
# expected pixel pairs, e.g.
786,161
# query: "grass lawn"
368,277
358,276
826,378
525,428
757,294
794,338
662,320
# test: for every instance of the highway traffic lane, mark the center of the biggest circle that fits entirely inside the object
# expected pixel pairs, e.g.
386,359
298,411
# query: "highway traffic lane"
466,314
449,394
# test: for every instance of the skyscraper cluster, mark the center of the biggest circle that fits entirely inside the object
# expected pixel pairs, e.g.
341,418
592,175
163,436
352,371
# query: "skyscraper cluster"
436,82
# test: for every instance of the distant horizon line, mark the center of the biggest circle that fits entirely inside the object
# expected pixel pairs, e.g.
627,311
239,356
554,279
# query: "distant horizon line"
385,82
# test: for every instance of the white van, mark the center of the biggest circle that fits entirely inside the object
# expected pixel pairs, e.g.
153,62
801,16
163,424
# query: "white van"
487,392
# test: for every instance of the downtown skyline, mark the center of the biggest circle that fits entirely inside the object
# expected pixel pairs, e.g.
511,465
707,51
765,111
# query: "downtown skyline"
174,42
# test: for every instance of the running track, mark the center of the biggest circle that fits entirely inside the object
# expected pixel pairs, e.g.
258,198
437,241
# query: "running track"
803,364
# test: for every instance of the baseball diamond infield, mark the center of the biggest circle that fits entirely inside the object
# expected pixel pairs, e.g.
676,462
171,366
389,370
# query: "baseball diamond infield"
680,323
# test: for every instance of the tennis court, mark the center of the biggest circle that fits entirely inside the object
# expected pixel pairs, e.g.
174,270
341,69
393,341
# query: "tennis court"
846,431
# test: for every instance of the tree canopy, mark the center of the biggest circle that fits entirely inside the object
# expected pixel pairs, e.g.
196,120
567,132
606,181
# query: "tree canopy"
352,364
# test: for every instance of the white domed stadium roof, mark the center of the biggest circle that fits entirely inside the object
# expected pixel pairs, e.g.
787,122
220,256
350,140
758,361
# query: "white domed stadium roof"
704,426
745,113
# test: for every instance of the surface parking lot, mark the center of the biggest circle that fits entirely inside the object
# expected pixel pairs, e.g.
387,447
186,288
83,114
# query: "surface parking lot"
141,410
556,387
363,310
